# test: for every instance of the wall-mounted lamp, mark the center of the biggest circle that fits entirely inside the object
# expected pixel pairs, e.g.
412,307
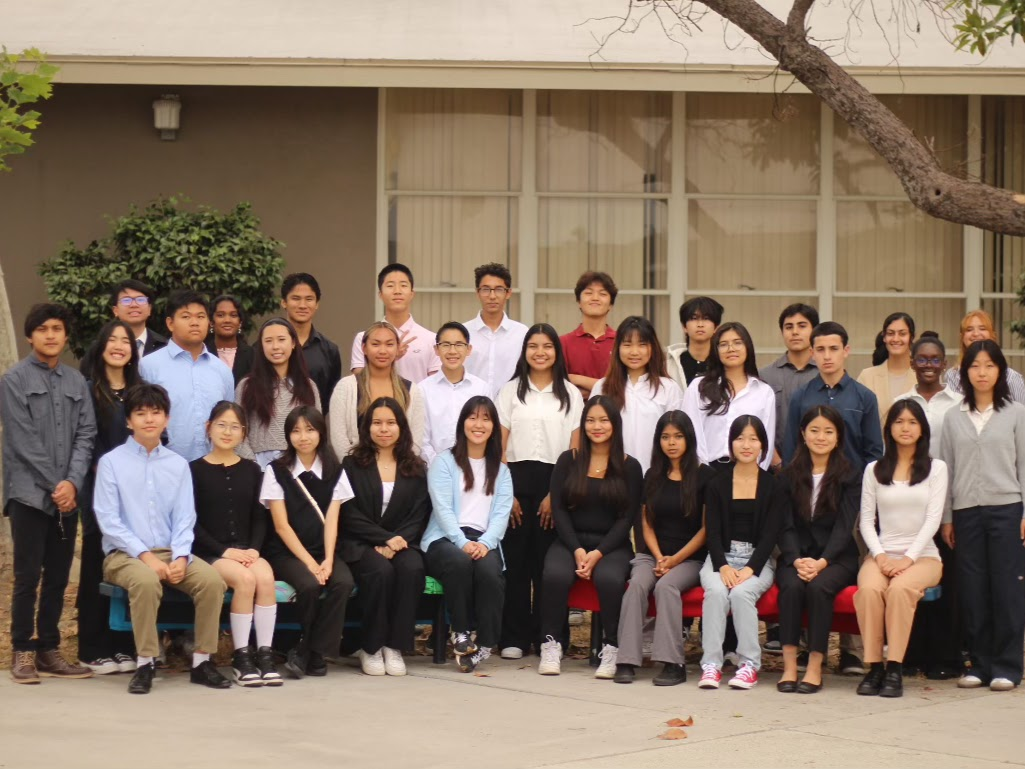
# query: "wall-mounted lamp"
166,110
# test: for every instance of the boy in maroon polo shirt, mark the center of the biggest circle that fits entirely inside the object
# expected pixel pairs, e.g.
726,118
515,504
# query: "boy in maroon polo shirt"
589,347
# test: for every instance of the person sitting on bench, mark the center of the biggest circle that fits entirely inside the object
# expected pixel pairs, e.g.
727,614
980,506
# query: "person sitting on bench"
145,508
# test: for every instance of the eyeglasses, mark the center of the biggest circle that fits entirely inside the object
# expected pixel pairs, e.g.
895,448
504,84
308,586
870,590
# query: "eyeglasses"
457,346
736,344
128,301
929,362
226,428
500,291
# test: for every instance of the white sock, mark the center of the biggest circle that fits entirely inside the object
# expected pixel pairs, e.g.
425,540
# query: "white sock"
198,658
241,625
140,661
264,618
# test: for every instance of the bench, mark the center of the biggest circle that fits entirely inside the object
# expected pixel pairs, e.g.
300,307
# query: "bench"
175,611
583,596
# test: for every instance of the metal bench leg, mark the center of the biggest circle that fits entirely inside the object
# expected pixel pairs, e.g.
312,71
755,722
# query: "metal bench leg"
596,634
439,631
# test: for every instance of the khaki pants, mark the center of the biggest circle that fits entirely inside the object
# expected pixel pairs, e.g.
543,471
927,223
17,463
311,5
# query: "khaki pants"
887,606
202,583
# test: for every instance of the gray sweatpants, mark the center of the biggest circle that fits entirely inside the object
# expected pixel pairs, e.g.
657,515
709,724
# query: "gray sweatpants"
668,642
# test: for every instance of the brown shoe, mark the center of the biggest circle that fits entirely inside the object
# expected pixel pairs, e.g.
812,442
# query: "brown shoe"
52,665
23,669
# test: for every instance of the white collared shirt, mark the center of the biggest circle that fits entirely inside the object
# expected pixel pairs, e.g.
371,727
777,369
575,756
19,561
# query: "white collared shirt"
443,401
979,418
713,430
495,353
935,409
420,360
271,490
539,430
642,408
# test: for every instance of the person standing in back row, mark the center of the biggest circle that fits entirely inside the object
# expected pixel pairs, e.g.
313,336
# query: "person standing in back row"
495,338
700,316
588,348
300,298
131,302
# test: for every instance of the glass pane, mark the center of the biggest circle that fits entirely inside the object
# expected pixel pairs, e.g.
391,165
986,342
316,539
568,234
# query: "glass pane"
737,144
444,239
603,141
625,238
453,139
755,245
863,319
562,312
892,246
760,315
1003,153
1005,312
941,122
433,310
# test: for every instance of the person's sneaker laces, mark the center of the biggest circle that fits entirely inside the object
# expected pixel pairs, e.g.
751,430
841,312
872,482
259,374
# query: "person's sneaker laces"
471,662
746,677
462,644
104,666
372,664
607,667
551,658
710,677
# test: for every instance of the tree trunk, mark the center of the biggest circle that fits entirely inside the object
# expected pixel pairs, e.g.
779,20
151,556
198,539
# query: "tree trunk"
8,357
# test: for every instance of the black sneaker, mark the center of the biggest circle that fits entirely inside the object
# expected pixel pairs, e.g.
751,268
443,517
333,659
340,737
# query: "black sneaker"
296,661
462,644
468,663
625,674
671,675
265,664
207,674
142,679
316,665
244,668
850,665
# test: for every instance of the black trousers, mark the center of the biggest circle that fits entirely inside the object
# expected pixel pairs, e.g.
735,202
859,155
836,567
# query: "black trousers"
95,638
816,597
322,619
609,577
990,571
936,635
389,592
524,548
43,548
473,589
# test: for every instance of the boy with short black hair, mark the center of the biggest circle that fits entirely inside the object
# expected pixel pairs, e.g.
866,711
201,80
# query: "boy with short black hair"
300,299
700,316
146,510
48,433
497,339
589,347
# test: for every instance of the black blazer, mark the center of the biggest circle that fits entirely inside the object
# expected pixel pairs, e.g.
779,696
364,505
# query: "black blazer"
243,358
829,535
361,524
154,342
770,499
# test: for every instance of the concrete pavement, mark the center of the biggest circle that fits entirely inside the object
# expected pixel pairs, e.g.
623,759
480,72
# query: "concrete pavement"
439,717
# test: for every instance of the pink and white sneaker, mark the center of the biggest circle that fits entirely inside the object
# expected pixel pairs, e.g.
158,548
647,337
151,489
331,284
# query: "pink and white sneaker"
710,677
746,677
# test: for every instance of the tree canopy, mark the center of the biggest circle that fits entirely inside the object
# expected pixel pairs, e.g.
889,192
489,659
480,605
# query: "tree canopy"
25,79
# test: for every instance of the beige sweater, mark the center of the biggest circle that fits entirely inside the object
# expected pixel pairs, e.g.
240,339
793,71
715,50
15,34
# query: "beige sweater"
342,416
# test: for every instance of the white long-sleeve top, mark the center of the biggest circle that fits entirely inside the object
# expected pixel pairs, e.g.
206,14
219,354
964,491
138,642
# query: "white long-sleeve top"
643,406
344,424
713,430
909,516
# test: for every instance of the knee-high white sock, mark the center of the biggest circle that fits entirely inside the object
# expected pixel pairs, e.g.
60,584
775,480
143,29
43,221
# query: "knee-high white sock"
264,618
241,625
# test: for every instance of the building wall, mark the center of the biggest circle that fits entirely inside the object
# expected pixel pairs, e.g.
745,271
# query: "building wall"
305,158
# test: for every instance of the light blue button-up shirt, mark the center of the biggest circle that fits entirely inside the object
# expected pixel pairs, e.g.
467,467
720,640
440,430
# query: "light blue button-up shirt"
195,387
143,500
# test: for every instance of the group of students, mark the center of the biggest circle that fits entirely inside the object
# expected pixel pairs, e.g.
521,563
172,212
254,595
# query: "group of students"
507,462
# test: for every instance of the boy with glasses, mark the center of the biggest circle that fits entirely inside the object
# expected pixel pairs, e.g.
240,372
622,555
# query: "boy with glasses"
497,339
131,301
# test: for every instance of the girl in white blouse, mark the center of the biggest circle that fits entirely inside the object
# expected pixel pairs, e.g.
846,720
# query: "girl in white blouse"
539,411
730,389
638,386
906,491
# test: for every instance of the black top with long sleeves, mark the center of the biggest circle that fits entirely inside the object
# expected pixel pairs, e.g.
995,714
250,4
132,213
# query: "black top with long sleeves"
830,532
228,509
594,523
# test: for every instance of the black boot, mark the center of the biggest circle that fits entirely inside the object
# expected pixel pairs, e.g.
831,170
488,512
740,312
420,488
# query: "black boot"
624,674
873,680
893,682
671,675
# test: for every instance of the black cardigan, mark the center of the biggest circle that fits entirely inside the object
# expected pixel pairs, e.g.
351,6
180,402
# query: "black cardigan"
770,499
829,535
362,525
243,357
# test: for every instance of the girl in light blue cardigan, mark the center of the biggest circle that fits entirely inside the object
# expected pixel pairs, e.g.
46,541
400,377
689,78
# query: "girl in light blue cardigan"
472,495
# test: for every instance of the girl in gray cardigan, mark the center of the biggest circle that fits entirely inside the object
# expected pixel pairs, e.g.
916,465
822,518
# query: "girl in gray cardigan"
983,445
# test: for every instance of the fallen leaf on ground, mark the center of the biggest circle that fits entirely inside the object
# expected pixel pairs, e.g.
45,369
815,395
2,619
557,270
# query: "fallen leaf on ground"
738,715
673,734
681,722
478,674
524,667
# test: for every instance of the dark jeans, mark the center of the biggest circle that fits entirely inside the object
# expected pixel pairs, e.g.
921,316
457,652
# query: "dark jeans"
990,571
816,597
472,589
322,619
524,548
41,550
95,638
609,577
389,592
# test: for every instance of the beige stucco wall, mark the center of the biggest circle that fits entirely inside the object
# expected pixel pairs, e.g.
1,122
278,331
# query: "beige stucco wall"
305,158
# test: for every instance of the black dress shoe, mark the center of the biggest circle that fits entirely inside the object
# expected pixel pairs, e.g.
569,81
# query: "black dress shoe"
671,675
808,688
893,684
296,662
786,687
207,674
625,674
873,680
316,665
142,679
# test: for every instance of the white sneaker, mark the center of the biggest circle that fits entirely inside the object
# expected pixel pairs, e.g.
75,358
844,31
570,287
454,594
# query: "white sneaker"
969,681
125,664
372,664
607,667
551,658
103,666
576,617
394,665
1001,685
512,653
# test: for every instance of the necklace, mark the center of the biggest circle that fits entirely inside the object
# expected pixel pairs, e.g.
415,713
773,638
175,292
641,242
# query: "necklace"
597,472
